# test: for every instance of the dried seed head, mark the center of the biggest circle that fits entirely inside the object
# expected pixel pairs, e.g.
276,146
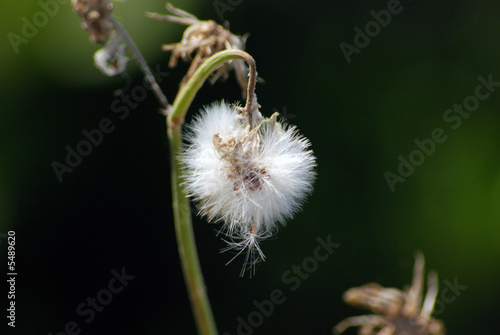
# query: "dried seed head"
94,15
203,39
397,312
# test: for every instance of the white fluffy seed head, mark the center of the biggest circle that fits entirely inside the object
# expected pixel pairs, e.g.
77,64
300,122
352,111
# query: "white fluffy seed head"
249,179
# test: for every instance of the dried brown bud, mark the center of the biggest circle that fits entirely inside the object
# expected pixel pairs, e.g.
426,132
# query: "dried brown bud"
94,15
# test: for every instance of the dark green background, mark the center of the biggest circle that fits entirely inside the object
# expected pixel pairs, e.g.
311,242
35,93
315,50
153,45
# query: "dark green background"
114,210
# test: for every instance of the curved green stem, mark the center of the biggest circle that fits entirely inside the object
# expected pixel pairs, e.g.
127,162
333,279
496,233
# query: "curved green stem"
189,90
186,243
182,214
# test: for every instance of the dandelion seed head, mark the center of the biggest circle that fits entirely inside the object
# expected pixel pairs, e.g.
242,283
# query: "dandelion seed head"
250,179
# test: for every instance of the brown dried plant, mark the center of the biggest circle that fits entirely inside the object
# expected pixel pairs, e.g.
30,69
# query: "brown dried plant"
95,18
396,312
203,39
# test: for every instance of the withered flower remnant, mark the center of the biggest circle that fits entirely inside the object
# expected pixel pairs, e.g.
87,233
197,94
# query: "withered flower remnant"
95,18
203,39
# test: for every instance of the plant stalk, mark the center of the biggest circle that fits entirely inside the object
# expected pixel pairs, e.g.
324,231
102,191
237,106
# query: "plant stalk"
142,63
188,253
